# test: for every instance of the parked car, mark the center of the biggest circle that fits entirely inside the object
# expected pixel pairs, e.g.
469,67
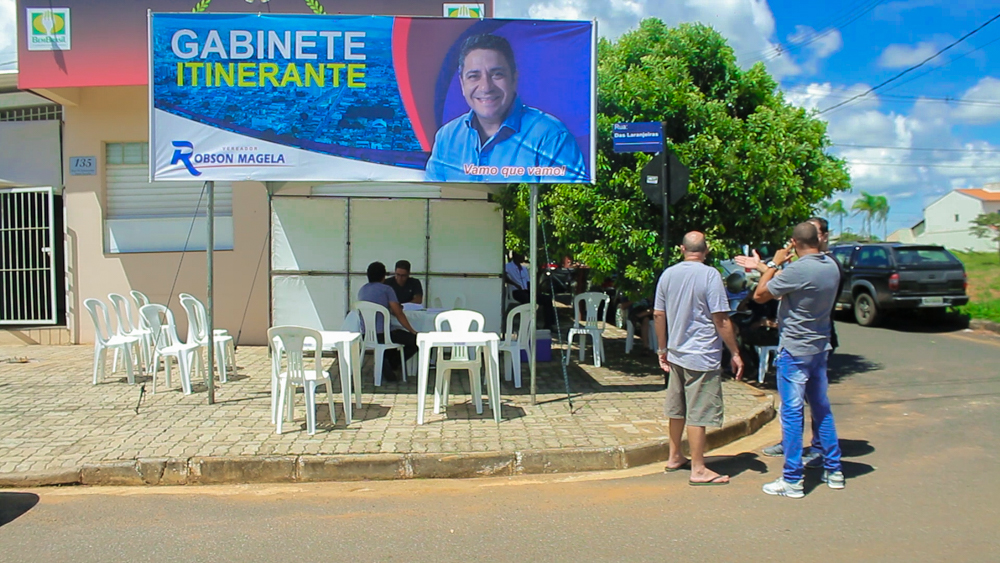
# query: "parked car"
885,277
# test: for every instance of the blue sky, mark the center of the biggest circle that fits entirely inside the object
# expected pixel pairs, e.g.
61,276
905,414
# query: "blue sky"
832,51
828,53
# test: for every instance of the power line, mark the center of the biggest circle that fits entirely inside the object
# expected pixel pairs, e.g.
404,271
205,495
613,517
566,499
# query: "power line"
900,98
824,33
914,67
933,149
841,19
932,69
923,165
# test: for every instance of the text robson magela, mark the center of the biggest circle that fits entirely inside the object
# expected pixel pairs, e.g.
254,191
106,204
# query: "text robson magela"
241,45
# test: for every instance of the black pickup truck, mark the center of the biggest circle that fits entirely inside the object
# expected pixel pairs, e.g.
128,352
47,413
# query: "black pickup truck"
884,277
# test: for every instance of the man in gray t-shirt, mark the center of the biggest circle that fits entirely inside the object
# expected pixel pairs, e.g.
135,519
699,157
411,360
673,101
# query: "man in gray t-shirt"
377,292
691,299
807,289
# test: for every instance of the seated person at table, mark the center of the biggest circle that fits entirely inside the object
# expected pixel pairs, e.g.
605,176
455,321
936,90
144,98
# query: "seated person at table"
639,312
408,290
377,292
516,274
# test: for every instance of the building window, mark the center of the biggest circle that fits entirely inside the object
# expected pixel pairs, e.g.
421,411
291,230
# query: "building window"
956,217
34,113
144,216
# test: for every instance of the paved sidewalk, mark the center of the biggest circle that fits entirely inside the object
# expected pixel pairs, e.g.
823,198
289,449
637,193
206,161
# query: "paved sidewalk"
52,418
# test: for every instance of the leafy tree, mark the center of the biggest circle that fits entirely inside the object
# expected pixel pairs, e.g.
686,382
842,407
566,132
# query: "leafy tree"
987,225
758,164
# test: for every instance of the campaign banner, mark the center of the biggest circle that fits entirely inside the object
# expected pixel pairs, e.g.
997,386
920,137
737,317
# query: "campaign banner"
334,98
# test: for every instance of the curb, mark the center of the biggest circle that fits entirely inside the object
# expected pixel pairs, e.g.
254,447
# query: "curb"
981,324
372,467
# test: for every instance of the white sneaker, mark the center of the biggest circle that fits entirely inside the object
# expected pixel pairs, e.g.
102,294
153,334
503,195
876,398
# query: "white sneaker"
785,488
834,480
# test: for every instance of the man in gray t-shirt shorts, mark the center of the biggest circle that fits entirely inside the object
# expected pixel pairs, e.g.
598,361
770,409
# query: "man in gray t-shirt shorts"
691,299
807,289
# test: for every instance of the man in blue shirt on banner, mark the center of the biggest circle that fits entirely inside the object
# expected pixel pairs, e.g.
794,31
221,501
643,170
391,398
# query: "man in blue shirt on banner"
501,139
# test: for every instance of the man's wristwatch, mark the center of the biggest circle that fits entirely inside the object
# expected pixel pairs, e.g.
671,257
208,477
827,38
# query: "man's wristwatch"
661,351
772,264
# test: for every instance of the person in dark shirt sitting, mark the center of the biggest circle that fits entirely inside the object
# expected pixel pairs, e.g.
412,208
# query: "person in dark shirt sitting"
407,289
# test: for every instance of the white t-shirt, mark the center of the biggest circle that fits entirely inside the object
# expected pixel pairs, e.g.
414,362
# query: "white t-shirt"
689,292
519,274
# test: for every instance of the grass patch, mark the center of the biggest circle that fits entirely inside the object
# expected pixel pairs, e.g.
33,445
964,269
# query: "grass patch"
983,269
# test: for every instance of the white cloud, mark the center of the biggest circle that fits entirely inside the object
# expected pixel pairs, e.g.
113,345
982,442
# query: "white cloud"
8,35
883,146
981,103
748,25
901,56
815,46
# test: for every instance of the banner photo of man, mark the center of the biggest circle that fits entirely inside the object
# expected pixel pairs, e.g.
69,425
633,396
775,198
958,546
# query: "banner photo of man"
371,98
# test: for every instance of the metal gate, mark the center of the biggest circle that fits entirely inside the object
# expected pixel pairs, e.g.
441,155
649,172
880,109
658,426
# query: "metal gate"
27,261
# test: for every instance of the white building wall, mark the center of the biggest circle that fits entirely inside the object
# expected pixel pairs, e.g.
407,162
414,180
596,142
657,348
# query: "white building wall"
948,221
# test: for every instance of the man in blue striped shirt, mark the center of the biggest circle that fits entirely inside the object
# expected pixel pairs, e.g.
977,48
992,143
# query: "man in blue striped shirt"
501,139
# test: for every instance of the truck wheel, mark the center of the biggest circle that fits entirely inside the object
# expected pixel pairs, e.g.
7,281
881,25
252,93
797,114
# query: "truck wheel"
866,310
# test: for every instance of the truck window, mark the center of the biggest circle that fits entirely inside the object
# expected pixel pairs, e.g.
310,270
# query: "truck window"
873,257
842,255
924,257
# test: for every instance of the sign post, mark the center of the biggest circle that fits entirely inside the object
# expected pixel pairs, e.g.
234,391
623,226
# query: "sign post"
664,179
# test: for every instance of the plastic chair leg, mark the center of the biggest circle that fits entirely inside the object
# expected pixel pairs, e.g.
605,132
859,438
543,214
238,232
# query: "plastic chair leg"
329,400
516,360
282,390
442,379
379,352
476,382
98,363
309,389
629,336
402,364
583,347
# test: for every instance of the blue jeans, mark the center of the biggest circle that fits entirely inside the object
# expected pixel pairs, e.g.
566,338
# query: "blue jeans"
800,379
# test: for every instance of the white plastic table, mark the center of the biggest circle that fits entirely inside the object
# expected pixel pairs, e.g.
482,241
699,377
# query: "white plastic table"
426,341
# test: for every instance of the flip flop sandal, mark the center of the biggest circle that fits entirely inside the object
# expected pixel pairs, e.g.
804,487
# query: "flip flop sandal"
713,483
674,469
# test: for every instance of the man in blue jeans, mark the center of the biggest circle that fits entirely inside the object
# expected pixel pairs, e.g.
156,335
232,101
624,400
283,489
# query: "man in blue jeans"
808,290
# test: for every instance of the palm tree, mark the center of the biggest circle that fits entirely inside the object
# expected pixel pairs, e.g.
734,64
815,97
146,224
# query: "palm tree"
835,210
866,206
881,212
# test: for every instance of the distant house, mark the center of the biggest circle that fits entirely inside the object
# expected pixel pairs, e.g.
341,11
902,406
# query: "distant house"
947,220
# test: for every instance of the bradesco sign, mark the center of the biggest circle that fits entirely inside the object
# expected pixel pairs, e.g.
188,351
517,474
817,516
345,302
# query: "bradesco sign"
356,98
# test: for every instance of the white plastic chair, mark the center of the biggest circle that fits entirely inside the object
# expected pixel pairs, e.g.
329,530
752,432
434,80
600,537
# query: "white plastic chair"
290,339
230,348
140,299
459,321
167,345
515,341
457,303
105,339
369,313
765,355
128,325
592,325
225,352
630,335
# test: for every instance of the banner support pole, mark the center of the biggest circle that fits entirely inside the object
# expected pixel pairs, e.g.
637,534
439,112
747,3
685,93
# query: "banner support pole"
210,321
533,261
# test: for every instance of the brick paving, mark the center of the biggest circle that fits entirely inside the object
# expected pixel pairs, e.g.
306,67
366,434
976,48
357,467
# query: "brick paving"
52,417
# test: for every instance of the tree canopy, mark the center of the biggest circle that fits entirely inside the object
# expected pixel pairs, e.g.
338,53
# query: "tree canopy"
987,226
757,163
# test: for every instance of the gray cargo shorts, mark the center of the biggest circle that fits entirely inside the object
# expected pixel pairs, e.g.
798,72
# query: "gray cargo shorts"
695,396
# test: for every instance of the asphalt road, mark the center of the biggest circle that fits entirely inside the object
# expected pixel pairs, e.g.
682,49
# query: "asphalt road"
916,410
